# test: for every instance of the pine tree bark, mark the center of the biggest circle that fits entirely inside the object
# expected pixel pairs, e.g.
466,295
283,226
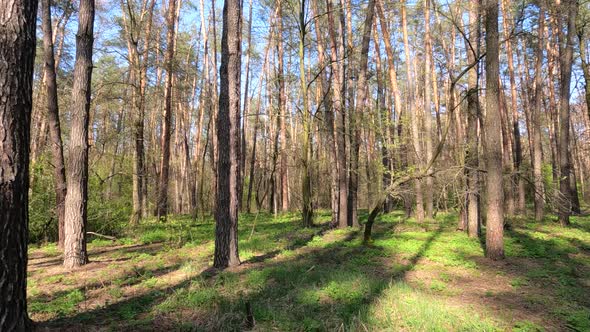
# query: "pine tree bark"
75,253
493,138
228,139
53,119
17,42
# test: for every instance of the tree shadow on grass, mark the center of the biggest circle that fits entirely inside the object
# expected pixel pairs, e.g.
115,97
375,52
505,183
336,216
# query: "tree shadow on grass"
323,287
546,281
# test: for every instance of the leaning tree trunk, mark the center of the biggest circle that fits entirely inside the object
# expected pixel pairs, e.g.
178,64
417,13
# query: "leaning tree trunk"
228,139
17,56
75,253
493,138
53,118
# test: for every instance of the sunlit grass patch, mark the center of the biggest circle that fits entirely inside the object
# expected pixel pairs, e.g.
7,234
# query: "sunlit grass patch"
402,307
58,305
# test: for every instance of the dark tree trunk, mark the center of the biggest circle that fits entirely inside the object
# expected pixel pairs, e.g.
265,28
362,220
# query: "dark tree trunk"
162,209
228,139
53,118
17,55
75,253
493,138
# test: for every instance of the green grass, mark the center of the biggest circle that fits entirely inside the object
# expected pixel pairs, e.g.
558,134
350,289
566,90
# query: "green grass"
411,277
60,305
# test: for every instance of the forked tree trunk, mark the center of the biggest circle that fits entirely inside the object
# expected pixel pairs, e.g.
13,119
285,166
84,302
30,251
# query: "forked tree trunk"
493,138
53,118
228,139
17,42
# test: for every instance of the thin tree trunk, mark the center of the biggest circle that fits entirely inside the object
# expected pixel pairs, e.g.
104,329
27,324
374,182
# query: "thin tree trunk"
336,51
414,119
473,116
569,9
388,161
583,39
428,107
75,253
282,112
53,118
536,122
162,209
357,112
307,208
246,111
328,116
518,178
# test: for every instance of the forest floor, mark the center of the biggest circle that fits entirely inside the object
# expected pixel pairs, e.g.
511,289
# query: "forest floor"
413,277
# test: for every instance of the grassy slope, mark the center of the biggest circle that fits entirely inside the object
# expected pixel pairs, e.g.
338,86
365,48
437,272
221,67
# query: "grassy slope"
415,277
